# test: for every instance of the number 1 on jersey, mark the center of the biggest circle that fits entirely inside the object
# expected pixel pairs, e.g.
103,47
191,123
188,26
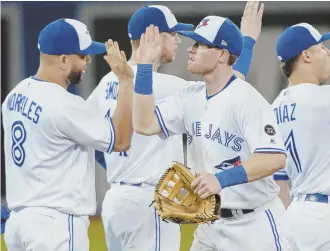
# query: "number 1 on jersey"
290,146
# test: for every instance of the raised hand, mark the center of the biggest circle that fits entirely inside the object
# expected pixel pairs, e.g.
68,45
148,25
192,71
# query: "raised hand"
117,61
150,48
251,22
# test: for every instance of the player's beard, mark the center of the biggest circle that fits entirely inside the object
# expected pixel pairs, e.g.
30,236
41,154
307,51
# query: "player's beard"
75,78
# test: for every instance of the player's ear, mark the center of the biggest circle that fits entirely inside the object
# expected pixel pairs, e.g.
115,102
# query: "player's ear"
64,61
223,56
306,56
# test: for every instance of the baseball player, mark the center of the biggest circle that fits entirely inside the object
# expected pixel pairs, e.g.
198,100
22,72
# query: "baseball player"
50,136
134,173
302,113
236,152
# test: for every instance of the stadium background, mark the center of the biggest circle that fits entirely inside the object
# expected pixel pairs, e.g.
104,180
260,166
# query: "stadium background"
21,23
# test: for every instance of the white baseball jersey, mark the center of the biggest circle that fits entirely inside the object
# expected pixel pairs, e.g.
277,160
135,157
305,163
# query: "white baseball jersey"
303,117
149,156
49,136
224,130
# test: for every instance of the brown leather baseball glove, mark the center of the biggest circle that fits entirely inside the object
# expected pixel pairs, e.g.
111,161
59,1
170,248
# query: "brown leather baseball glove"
176,202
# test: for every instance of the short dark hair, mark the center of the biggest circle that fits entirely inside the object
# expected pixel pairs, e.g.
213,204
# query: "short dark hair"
232,59
135,44
288,66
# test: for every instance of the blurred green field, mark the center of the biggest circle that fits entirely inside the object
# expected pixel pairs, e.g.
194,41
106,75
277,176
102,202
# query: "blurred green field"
97,241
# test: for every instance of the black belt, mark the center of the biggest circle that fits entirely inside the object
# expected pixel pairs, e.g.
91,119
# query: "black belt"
227,213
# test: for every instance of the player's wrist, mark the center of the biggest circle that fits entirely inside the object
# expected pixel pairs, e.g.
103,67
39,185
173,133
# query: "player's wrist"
248,42
243,62
125,78
231,177
125,84
143,79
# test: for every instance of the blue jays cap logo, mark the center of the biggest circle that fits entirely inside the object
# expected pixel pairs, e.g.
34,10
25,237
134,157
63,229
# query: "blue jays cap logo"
204,22
226,164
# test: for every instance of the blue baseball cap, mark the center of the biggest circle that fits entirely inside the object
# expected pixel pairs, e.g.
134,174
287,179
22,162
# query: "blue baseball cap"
297,38
68,36
158,15
219,32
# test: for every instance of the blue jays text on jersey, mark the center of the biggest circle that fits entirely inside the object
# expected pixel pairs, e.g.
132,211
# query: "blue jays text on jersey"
17,102
223,137
111,91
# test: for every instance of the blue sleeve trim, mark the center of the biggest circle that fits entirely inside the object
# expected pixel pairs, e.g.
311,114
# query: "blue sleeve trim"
270,150
280,177
161,122
243,62
112,134
99,157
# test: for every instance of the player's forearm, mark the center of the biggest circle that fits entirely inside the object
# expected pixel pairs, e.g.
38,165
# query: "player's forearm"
258,166
284,194
122,116
144,114
261,165
144,118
